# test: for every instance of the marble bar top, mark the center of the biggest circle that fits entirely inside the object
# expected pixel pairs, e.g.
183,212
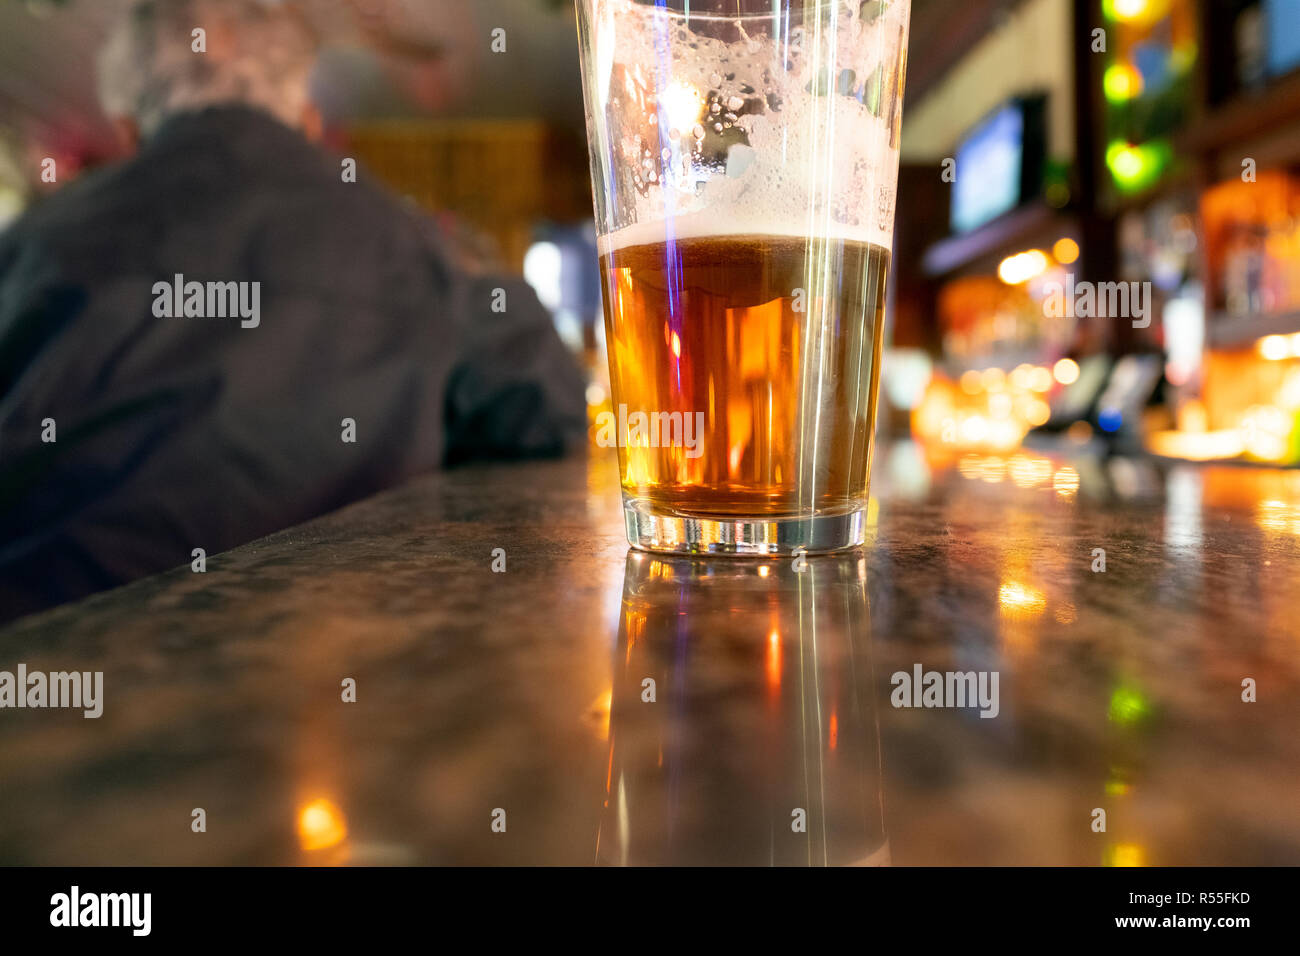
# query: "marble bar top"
589,704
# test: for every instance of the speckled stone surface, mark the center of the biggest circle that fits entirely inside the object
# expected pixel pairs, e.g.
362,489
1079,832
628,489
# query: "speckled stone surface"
767,734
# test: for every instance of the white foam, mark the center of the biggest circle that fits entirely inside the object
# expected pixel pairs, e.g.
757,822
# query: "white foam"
817,166
703,225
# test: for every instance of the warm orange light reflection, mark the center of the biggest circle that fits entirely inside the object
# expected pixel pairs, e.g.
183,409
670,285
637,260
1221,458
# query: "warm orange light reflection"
1021,600
599,712
1029,472
774,662
321,825
1066,482
1278,517
1126,854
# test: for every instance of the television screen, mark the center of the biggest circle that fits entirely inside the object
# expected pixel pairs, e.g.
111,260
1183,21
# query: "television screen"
989,165
1283,30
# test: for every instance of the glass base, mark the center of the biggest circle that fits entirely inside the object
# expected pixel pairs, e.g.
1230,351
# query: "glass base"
650,528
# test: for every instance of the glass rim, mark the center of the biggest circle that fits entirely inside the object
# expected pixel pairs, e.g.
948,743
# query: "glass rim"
686,14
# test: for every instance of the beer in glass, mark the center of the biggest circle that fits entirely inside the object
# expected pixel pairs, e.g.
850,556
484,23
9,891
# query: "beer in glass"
745,160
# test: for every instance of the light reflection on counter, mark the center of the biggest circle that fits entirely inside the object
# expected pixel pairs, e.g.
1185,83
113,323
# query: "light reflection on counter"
321,825
743,726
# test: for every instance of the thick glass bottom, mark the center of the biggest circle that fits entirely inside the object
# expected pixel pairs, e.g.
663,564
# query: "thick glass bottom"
653,528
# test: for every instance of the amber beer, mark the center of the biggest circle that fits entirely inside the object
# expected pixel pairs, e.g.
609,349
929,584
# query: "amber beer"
776,340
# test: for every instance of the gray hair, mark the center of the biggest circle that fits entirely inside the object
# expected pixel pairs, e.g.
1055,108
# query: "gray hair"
259,53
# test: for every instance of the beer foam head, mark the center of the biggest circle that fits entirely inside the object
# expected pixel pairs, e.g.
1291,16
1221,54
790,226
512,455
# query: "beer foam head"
714,126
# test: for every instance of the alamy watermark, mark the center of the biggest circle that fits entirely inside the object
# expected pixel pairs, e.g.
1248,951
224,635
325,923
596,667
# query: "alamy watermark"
83,690
651,430
208,300
75,908
952,689
1093,300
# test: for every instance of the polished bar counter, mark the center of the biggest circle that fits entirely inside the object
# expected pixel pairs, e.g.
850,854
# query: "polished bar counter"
589,704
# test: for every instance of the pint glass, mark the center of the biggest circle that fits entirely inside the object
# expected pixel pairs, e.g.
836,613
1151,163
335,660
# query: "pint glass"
744,160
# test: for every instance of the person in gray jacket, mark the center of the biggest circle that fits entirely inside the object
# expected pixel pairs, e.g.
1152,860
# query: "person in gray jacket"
224,336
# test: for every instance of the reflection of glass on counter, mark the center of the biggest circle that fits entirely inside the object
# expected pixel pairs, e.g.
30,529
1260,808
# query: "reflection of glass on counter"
743,728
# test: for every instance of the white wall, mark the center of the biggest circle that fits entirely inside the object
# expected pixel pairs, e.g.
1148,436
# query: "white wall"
1032,51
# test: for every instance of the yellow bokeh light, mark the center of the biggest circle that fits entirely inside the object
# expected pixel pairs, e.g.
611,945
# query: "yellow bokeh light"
1040,379
321,825
1274,347
1197,446
1288,396
1130,9
1066,371
1023,266
1265,432
1128,163
1121,82
1038,413
974,430
1066,251
1005,434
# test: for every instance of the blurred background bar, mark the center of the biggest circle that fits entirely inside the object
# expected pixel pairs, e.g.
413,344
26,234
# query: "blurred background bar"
1098,242
1093,339
1115,266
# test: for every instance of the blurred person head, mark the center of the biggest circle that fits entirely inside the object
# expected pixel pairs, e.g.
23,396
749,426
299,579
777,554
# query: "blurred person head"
259,53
